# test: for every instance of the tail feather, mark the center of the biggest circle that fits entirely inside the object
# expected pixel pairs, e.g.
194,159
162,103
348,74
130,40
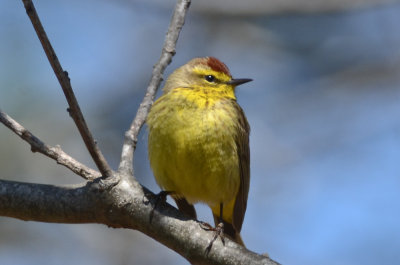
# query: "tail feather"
185,207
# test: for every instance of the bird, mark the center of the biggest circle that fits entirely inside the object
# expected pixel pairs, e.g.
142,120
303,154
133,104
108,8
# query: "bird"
198,143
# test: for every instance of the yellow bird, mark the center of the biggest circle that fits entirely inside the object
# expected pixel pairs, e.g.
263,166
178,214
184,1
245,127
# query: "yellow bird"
199,142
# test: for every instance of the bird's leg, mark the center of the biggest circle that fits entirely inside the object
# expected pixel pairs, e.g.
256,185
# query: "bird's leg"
185,207
218,229
160,197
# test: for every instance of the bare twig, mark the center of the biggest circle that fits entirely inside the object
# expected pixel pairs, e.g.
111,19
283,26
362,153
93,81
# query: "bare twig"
175,26
62,76
55,153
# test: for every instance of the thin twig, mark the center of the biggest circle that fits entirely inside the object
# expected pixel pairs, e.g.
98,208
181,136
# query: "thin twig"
175,26
62,76
55,153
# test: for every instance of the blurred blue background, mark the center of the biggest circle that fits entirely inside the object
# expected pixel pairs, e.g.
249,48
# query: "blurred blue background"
324,108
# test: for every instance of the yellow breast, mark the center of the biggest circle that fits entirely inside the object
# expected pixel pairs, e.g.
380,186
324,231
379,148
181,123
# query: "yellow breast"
192,146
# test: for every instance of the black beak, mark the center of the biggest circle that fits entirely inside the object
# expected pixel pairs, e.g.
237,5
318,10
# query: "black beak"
240,81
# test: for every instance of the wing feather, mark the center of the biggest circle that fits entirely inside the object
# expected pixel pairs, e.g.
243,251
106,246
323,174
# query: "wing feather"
243,150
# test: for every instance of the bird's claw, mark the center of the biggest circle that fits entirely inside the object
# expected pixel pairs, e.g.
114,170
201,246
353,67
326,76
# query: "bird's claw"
218,232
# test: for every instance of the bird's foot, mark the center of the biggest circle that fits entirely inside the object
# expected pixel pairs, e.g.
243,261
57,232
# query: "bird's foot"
218,232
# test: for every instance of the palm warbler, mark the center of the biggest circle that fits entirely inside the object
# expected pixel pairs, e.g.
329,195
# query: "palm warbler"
199,142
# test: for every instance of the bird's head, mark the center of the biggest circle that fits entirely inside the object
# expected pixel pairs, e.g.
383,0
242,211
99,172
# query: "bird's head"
207,72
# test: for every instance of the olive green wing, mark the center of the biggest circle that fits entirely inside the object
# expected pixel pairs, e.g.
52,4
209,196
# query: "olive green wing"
243,151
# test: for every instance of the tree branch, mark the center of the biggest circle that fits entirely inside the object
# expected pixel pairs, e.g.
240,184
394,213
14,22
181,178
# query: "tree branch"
55,153
175,26
124,206
62,76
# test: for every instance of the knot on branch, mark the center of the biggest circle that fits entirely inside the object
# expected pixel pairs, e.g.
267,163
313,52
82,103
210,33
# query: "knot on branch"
66,75
130,138
170,50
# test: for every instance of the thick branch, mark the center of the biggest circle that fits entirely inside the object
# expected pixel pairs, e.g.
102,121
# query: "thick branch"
125,206
175,26
63,79
55,153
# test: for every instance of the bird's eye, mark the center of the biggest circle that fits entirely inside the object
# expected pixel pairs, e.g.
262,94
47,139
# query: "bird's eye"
210,78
